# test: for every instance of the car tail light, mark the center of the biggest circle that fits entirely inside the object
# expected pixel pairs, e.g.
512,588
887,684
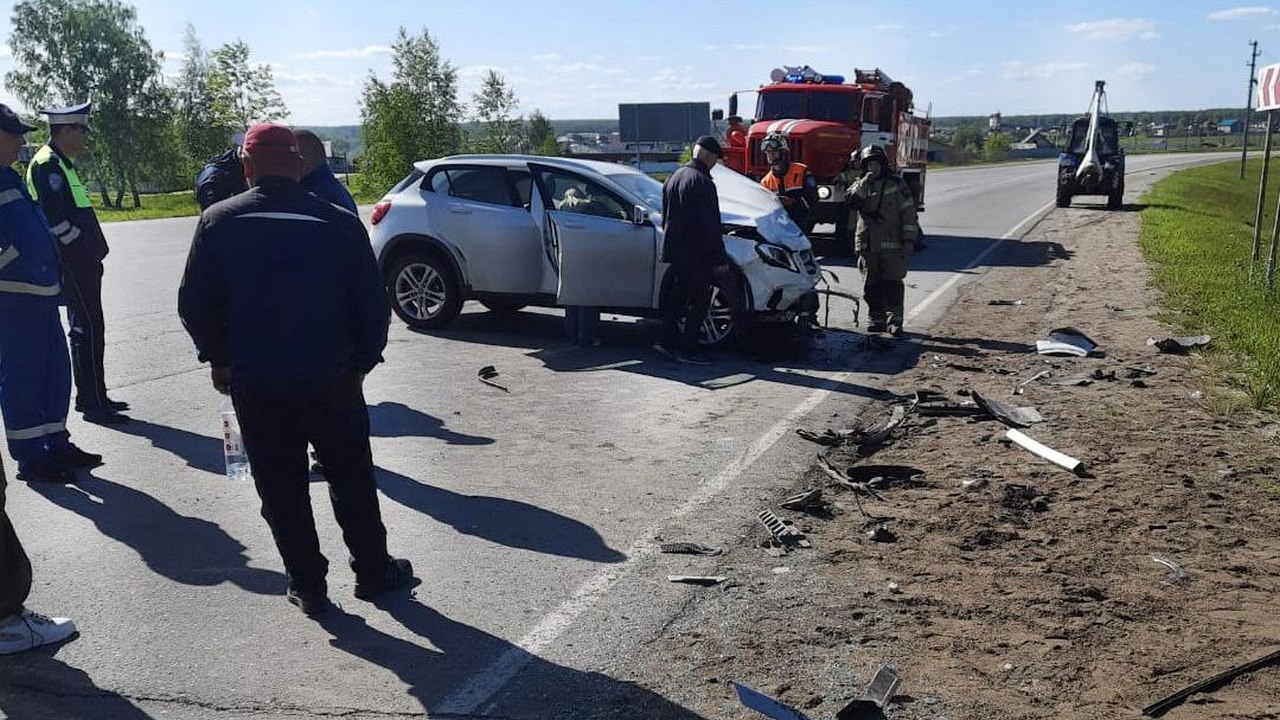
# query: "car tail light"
379,211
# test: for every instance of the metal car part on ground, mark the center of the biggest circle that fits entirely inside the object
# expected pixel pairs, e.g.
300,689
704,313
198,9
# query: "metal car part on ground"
498,229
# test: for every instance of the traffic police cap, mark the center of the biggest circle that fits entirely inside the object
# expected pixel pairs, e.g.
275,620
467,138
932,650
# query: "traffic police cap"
73,115
11,123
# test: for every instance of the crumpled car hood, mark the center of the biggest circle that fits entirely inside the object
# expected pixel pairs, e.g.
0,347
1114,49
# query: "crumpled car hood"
744,201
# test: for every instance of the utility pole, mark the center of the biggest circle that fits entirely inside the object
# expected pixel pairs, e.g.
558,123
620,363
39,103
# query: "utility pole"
1248,105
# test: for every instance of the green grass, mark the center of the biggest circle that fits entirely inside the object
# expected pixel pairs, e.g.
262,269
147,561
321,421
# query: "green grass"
1198,230
178,204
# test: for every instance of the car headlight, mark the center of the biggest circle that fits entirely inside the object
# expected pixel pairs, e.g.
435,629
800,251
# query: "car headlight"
777,256
824,192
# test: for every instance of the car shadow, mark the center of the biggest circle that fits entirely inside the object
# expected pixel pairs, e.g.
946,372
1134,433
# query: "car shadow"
35,685
434,672
506,522
184,549
392,419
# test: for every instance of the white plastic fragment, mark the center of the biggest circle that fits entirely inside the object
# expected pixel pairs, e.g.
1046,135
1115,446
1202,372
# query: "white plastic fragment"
1045,451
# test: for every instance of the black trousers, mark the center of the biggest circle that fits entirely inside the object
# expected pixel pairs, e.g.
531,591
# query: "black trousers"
277,420
690,299
82,287
15,568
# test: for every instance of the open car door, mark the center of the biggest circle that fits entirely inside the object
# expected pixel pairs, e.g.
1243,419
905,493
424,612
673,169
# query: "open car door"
602,257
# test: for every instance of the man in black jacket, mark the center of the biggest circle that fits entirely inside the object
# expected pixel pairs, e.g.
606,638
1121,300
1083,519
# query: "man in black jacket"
694,246
282,296
55,183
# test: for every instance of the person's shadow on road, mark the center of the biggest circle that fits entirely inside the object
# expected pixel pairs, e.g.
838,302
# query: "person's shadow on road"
184,549
393,419
201,452
506,522
435,677
35,685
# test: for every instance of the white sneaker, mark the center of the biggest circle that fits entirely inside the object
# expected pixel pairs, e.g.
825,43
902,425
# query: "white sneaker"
28,630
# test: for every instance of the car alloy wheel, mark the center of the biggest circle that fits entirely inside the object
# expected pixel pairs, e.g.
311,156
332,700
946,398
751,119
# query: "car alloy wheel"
420,291
718,326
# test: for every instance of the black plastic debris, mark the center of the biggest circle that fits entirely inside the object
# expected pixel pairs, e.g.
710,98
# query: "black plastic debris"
704,580
882,534
1008,414
881,689
1179,345
1162,706
487,374
809,501
1005,302
688,548
1067,341
784,531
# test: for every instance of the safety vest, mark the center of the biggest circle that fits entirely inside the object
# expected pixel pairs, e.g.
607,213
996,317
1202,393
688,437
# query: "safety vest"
794,179
78,194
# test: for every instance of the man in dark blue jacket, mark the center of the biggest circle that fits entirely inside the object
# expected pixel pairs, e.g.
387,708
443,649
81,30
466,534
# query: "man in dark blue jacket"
283,298
317,177
35,370
693,244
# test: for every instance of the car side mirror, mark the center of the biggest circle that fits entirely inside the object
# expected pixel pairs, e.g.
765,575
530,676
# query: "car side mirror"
717,115
639,215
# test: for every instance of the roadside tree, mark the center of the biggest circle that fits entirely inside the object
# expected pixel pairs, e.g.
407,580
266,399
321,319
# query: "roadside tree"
413,117
248,91
541,134
205,123
68,51
996,146
495,104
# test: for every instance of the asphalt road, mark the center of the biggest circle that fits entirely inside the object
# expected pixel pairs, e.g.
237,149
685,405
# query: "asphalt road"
533,516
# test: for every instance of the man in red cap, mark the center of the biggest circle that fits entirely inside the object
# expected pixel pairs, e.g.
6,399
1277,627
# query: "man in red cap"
283,298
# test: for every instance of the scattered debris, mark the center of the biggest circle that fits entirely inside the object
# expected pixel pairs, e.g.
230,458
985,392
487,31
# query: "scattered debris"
1012,416
881,689
784,531
1160,707
1132,372
783,570
877,433
939,362
882,534
809,501
1046,452
689,548
1179,345
830,438
1066,341
1033,378
706,580
1175,570
1081,381
487,374
894,587
720,383
1005,302
1197,395
973,483
766,705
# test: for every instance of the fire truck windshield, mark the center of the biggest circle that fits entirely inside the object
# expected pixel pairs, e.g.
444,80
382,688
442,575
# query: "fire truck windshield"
832,106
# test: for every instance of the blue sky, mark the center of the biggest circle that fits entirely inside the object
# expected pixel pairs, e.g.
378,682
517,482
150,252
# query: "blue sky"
579,60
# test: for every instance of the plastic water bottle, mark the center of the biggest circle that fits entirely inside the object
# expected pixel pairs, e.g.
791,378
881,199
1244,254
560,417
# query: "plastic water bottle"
232,446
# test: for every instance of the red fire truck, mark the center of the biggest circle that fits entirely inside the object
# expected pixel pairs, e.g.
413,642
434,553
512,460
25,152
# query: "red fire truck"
824,119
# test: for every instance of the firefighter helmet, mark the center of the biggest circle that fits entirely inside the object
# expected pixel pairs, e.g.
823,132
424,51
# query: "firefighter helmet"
872,152
773,141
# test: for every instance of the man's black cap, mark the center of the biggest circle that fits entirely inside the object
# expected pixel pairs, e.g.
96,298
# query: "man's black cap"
710,144
11,123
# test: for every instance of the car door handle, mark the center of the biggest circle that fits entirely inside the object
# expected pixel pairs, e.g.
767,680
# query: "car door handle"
460,210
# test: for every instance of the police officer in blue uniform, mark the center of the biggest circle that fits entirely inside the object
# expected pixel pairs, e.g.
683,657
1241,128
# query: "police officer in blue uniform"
35,372
54,182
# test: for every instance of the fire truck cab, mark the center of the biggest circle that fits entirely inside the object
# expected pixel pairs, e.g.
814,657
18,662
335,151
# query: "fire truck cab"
824,119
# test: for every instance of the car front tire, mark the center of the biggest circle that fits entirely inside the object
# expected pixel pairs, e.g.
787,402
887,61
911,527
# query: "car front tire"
424,291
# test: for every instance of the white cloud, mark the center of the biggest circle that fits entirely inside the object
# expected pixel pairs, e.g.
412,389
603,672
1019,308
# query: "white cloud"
547,57
679,80
1044,71
366,51
1136,70
5,52
479,71
1116,29
743,47
289,78
1241,12
888,27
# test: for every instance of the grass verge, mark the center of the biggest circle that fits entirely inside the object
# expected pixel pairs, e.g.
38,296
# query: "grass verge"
1197,229
178,204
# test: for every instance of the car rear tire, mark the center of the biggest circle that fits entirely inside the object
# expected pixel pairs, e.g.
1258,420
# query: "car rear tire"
1115,200
424,291
1064,199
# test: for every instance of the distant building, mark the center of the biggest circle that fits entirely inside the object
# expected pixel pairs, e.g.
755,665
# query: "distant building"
1230,127
993,122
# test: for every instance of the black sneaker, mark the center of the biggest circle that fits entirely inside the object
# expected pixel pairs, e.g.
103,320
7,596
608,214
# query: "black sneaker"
103,416
895,329
878,326
73,457
109,404
309,602
399,574
46,469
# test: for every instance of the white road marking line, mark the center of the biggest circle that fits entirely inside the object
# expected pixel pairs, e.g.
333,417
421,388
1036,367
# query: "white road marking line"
483,685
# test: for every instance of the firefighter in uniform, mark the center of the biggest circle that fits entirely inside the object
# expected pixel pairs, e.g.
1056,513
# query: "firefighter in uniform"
887,229
55,184
35,373
790,181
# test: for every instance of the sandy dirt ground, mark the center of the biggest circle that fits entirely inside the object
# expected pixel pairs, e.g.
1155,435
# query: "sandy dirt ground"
1012,587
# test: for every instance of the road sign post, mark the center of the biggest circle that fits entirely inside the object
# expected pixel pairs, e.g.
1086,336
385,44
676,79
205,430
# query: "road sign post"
1268,100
